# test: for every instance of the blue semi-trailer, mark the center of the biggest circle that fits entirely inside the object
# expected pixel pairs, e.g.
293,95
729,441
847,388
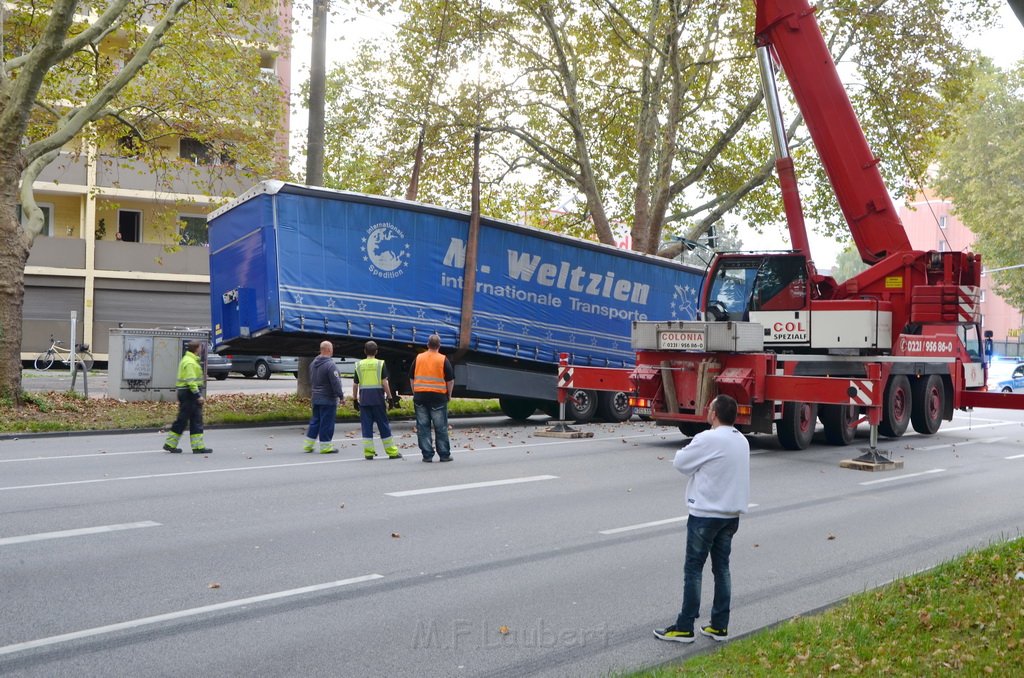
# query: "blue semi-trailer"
291,265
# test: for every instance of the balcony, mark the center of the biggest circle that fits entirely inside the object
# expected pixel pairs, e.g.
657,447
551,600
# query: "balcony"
66,168
144,257
181,177
57,252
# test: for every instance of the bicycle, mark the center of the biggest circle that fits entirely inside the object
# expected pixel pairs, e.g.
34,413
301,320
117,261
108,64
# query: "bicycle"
45,360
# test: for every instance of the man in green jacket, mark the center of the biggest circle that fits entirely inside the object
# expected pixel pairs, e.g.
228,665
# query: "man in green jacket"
190,403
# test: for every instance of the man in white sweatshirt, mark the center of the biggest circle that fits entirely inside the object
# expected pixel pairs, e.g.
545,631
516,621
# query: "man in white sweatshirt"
718,463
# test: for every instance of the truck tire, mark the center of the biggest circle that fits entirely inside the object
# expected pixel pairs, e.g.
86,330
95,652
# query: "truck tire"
796,428
840,423
517,409
549,407
614,407
896,407
262,370
928,403
692,428
581,405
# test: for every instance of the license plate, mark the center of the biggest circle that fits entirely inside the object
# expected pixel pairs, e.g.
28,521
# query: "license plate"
643,411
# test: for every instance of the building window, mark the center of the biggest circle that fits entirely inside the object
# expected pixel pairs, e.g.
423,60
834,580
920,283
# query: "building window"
129,225
943,221
981,297
943,246
47,209
193,230
195,151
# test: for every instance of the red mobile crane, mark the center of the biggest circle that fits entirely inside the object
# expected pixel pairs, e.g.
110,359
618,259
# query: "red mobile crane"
899,344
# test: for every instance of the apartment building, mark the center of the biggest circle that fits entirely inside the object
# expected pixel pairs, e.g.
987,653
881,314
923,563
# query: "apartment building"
931,225
124,242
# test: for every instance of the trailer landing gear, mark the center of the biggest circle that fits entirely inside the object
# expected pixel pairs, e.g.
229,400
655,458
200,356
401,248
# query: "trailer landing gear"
872,459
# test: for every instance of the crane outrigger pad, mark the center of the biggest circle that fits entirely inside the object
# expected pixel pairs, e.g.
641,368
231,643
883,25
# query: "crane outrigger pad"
561,429
871,460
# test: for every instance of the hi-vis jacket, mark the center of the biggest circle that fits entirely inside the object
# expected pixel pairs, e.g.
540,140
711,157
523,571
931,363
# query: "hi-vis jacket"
190,372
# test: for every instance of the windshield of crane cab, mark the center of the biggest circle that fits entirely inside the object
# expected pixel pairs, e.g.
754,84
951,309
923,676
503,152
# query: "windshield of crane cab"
771,283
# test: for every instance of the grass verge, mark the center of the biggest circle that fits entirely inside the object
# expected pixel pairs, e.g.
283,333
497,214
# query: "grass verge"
64,411
965,617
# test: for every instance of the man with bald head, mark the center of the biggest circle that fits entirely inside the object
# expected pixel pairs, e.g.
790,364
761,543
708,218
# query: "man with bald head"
326,390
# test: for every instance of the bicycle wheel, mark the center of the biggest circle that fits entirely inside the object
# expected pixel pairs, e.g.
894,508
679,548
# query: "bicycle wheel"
44,360
86,359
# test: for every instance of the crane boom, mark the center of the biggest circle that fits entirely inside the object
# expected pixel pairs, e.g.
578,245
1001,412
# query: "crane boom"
790,30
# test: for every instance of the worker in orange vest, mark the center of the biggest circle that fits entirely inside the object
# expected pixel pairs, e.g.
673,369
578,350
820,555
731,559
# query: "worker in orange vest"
433,379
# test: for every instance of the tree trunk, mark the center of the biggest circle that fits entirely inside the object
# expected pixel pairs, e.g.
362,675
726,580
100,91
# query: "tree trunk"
13,256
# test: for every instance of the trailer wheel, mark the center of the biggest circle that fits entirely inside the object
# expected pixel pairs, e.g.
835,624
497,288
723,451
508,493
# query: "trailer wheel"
796,429
692,428
518,409
581,405
928,403
840,423
614,407
896,407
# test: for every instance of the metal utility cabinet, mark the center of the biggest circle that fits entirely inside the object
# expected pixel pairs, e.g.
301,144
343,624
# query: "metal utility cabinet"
144,362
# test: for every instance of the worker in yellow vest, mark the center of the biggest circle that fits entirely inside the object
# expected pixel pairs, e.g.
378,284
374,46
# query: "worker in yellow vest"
433,379
190,403
371,392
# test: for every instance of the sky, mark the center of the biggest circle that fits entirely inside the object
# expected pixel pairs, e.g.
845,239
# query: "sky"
1004,44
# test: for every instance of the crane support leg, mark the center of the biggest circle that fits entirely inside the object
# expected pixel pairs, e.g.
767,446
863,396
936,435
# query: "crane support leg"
872,459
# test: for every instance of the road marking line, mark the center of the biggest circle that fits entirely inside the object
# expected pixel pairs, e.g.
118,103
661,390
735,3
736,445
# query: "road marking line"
983,441
974,426
1016,456
904,476
80,456
172,475
181,614
655,523
40,536
640,526
469,486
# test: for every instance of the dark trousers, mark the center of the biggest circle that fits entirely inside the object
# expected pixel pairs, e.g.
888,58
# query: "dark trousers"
707,536
374,414
322,422
190,413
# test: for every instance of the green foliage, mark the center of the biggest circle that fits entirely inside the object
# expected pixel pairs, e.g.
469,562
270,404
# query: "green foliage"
962,617
848,264
981,171
630,117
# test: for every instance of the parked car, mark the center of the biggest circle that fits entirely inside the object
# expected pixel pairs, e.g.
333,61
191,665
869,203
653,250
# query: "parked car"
346,366
217,366
263,366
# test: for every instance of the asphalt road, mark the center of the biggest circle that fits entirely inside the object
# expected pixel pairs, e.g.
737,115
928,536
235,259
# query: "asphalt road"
526,556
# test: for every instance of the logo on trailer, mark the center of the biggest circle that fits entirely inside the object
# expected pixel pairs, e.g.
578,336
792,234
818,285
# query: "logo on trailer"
387,250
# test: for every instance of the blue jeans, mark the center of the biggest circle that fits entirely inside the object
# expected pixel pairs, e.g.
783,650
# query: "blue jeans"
432,417
704,536
322,422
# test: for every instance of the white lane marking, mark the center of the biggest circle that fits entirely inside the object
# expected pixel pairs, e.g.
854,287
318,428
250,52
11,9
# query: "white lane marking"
974,426
80,456
172,475
965,443
1016,456
40,536
903,477
654,523
640,526
469,486
180,614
